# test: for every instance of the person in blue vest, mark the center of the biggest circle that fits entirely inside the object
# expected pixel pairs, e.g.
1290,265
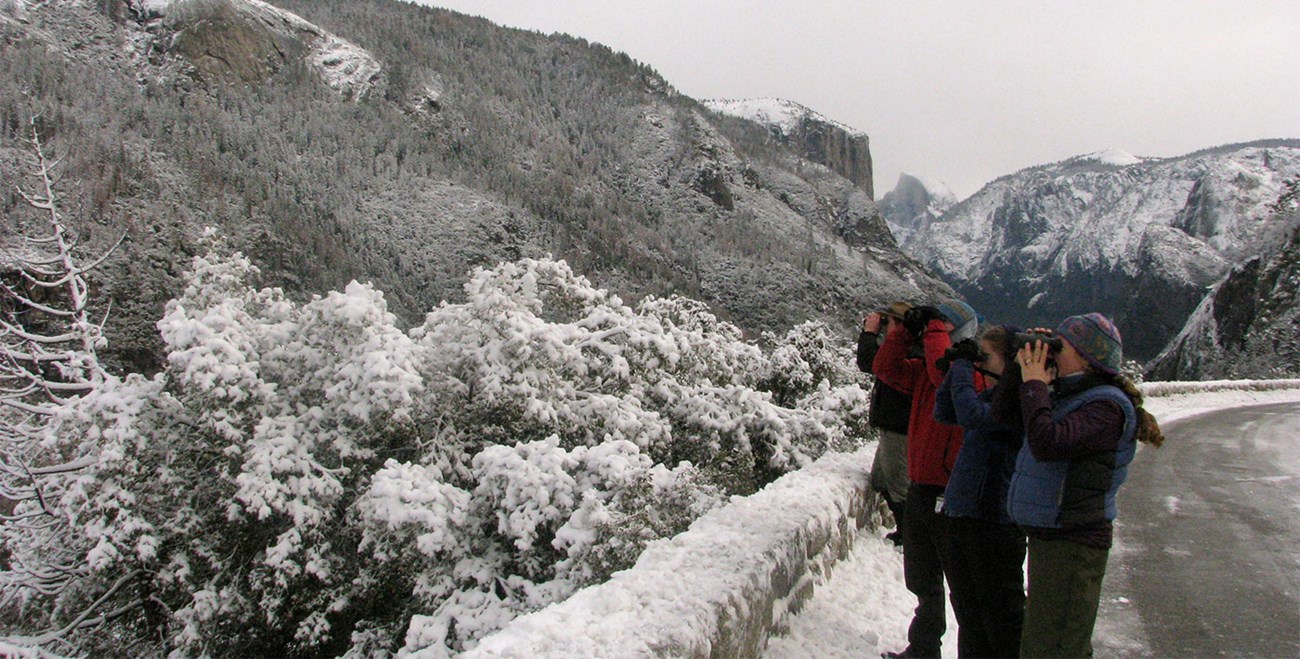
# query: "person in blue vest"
986,580
1080,436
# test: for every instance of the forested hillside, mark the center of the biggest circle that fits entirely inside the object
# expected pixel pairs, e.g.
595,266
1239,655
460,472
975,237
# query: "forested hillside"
471,144
341,401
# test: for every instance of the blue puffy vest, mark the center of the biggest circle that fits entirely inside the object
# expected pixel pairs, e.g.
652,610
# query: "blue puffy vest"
1077,492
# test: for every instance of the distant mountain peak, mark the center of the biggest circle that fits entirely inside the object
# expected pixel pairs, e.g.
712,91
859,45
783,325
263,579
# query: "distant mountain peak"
913,203
1134,237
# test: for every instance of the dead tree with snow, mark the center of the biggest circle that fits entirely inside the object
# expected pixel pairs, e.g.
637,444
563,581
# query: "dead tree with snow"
48,344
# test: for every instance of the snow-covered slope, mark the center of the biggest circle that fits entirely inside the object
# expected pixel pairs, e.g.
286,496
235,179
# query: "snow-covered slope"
1248,326
1136,238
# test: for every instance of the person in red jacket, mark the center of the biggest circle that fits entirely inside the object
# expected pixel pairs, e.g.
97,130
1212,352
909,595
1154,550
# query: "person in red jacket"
931,452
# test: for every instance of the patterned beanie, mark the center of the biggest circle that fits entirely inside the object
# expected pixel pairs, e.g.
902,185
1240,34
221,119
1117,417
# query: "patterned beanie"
965,321
1096,338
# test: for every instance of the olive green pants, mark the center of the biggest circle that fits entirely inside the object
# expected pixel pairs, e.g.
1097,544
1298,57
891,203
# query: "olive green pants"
1064,589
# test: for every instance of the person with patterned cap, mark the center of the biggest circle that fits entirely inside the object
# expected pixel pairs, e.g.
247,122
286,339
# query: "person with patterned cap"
932,449
1082,422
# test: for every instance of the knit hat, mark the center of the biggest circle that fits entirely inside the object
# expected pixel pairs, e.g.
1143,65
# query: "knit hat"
1096,338
965,321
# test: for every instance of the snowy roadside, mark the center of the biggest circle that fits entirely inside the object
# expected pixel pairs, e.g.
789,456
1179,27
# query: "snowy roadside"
1173,401
864,609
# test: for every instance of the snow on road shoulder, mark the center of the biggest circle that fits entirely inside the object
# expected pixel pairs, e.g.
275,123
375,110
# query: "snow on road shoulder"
862,611
1170,402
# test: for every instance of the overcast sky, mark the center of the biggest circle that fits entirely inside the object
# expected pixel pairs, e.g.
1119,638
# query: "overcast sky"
965,91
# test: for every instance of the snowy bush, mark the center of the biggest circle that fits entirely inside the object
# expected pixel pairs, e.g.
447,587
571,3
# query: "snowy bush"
307,478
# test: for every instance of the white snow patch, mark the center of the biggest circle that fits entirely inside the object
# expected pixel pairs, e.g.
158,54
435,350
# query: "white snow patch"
1173,401
862,611
1116,157
941,196
783,114
1172,504
344,65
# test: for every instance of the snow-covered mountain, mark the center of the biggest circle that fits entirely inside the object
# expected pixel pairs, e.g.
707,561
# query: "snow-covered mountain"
1137,238
1249,324
840,147
914,202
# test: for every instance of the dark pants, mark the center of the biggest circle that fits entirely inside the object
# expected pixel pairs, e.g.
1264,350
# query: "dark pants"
1064,589
925,554
987,583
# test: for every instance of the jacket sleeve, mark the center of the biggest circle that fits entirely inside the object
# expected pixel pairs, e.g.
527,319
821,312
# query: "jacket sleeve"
944,412
937,342
867,348
1095,427
892,366
971,411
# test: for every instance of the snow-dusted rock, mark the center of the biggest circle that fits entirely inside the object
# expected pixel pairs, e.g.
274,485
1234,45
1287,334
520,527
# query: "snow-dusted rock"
249,39
842,148
914,202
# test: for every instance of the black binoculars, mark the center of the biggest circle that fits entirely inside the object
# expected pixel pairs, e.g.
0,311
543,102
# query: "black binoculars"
1023,339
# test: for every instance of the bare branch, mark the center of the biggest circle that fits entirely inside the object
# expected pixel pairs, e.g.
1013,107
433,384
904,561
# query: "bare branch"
58,634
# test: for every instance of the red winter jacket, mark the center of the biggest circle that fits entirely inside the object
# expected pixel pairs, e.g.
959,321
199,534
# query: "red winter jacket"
931,446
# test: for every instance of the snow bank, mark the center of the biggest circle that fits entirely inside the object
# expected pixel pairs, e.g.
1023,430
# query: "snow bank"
1172,401
722,587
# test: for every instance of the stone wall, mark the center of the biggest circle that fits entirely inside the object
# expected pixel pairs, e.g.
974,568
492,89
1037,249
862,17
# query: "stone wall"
722,587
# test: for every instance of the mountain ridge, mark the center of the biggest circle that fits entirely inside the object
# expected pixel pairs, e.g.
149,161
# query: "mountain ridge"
1140,241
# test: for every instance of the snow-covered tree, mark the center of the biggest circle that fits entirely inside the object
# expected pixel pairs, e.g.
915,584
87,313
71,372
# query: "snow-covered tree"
48,365
307,478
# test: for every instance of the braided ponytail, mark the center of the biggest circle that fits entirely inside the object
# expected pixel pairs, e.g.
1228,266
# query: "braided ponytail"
1148,429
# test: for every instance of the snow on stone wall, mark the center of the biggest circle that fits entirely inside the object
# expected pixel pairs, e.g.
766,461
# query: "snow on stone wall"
722,587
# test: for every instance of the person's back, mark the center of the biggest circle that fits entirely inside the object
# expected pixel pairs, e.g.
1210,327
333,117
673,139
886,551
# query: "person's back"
932,449
890,410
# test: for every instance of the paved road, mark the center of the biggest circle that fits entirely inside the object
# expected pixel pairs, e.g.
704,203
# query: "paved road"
1207,560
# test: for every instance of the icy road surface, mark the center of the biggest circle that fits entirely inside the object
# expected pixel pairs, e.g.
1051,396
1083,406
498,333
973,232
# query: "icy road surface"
1207,559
